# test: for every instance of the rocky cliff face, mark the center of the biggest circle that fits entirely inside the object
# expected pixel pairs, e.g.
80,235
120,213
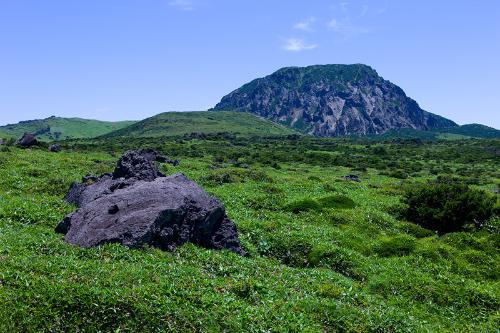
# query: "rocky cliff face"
332,100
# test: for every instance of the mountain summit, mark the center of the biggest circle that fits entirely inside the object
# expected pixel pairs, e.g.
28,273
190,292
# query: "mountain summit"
332,100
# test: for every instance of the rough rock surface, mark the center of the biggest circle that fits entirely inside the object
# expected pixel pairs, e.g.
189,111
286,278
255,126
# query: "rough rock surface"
353,178
139,165
55,148
137,205
332,100
27,140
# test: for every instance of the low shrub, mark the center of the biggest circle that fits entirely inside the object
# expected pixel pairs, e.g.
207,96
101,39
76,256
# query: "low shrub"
303,205
291,249
415,230
341,260
236,175
399,245
399,174
447,206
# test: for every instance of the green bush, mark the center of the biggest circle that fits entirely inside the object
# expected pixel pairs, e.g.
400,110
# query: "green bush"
415,230
303,205
447,206
236,175
291,249
399,174
339,259
399,245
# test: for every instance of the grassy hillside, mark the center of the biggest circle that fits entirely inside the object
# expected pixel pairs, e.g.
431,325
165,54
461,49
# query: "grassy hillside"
180,123
452,133
56,128
473,130
349,265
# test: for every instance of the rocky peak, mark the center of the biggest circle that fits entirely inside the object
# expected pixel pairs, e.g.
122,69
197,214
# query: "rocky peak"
332,100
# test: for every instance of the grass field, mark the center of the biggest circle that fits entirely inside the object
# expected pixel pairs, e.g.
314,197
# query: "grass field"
345,263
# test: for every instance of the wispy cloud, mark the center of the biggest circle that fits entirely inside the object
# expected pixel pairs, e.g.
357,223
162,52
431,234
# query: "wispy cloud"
346,28
383,9
185,5
297,45
364,11
343,6
305,25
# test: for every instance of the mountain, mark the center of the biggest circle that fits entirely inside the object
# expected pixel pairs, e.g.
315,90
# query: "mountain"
332,100
56,128
180,123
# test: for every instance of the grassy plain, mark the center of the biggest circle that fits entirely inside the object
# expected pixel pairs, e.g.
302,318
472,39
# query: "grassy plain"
343,262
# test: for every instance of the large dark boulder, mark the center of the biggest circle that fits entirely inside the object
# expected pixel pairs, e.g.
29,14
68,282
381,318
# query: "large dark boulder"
137,205
27,140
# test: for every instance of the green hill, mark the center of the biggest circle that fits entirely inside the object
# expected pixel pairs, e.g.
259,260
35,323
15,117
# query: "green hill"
179,123
473,130
452,133
56,128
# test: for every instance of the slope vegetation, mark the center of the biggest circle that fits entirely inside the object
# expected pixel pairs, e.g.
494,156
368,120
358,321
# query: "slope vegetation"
56,128
180,123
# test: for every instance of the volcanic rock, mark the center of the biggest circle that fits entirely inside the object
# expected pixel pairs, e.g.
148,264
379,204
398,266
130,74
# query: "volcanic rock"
27,140
353,178
137,205
54,148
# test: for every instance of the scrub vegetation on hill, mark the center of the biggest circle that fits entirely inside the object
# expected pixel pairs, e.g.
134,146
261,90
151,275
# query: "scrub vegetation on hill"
57,128
201,123
324,254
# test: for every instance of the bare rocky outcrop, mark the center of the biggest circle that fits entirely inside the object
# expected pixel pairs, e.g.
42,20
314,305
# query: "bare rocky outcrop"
332,100
137,205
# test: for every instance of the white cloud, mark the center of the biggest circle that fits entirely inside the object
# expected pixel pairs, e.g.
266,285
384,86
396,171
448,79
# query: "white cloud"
182,4
334,25
305,25
346,28
297,45
344,6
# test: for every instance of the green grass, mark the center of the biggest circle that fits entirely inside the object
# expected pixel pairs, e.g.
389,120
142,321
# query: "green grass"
207,122
348,265
56,128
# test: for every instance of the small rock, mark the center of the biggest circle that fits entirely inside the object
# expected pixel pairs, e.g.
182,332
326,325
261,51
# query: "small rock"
353,178
55,148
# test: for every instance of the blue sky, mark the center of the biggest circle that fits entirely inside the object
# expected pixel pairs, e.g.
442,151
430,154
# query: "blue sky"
130,59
